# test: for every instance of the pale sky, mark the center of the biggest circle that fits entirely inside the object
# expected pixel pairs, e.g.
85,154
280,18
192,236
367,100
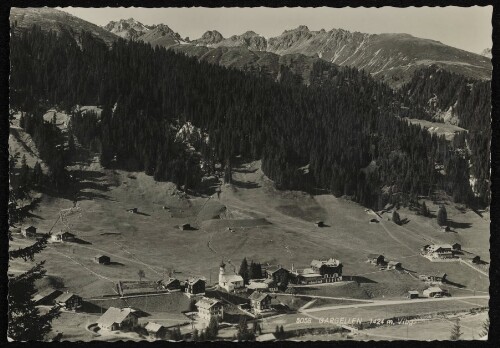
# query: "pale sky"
468,28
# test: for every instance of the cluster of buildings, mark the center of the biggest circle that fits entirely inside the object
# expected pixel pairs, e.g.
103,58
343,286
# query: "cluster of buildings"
53,297
431,292
379,260
320,271
441,251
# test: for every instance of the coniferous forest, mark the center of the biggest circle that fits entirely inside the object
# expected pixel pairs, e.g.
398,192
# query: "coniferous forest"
345,133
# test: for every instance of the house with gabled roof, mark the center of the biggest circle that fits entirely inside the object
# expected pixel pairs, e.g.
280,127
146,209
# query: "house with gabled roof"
29,231
155,330
171,284
209,308
440,251
69,301
278,274
62,237
194,287
329,269
118,319
260,301
434,291
376,259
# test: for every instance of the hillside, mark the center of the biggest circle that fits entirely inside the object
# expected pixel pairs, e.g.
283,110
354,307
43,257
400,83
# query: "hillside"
50,19
274,124
390,57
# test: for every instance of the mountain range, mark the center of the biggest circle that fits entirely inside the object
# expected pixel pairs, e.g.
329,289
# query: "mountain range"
392,58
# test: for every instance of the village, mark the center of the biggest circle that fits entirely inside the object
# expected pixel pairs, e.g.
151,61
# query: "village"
253,293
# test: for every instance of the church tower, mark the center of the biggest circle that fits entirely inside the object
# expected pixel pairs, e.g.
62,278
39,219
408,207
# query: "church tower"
222,272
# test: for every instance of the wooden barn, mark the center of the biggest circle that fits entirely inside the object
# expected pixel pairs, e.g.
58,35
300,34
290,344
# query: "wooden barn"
195,287
155,330
29,232
102,259
69,301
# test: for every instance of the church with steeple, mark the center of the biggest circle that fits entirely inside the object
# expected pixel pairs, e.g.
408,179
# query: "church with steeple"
229,282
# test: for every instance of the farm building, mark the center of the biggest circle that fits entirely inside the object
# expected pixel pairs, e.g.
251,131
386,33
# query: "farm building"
330,270
155,330
171,284
394,265
195,287
439,278
62,237
374,221
209,307
476,259
440,251
229,282
457,247
445,229
102,259
29,232
278,274
306,276
132,210
434,291
376,259
46,297
117,319
268,337
185,227
260,301
412,294
69,301
319,224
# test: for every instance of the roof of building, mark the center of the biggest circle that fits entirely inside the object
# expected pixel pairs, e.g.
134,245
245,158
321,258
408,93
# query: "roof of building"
394,263
169,281
331,262
30,227
153,327
434,289
413,292
269,282
440,246
114,315
258,285
43,294
99,256
65,297
274,269
374,256
231,278
207,303
258,296
265,337
311,275
193,281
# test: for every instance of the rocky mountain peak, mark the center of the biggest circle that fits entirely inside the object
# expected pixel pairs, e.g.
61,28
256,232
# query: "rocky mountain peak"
211,37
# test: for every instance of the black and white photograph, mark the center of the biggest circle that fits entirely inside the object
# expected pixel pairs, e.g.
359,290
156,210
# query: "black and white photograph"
249,173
